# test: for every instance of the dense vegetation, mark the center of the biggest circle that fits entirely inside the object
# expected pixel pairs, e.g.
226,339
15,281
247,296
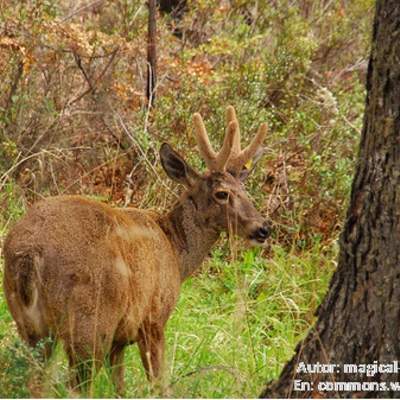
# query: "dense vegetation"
73,120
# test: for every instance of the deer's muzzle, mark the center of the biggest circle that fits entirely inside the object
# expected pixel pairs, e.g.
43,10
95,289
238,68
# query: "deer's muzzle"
260,234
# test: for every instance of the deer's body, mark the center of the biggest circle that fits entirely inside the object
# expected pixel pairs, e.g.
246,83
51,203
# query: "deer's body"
96,277
99,278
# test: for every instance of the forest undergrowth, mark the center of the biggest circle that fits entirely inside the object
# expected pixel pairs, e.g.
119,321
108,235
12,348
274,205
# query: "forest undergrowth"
73,120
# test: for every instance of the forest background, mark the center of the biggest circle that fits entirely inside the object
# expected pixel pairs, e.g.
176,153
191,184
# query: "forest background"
73,119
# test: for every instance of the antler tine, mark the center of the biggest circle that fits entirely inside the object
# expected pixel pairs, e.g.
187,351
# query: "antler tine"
236,163
206,151
226,150
230,156
231,116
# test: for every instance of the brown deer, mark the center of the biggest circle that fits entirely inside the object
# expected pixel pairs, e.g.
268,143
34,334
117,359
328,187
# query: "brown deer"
99,278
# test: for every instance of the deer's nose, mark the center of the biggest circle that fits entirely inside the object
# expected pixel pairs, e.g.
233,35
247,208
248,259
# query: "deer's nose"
261,233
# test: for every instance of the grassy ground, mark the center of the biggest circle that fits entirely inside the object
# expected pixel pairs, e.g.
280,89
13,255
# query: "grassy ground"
236,323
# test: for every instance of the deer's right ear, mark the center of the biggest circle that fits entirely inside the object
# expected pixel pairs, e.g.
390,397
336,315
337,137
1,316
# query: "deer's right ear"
176,167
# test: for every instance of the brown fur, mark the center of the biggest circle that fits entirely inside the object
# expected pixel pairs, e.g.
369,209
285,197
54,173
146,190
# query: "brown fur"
99,278
95,277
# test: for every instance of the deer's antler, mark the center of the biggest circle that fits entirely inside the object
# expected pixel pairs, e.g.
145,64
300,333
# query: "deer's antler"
214,161
231,156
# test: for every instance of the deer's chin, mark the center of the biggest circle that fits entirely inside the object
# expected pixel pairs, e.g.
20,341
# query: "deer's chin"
257,243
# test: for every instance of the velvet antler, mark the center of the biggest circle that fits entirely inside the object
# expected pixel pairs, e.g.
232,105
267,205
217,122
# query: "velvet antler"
240,157
231,157
214,161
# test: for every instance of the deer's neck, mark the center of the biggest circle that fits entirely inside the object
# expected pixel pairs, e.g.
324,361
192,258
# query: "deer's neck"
190,236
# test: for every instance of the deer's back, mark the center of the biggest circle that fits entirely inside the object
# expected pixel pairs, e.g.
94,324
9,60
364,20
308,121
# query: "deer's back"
71,257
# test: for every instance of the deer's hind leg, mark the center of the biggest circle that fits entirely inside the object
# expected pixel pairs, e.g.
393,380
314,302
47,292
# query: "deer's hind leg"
151,344
82,371
37,380
86,346
118,367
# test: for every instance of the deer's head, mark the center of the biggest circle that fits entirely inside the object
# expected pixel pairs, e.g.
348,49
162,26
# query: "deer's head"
219,196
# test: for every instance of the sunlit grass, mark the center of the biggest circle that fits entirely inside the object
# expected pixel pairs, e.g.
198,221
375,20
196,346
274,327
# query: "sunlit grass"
234,327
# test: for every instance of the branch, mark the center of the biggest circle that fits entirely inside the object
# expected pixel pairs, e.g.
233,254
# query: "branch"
151,54
81,9
92,87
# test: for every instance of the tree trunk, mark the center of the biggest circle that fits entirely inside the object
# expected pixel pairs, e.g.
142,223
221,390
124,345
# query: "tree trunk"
359,319
151,54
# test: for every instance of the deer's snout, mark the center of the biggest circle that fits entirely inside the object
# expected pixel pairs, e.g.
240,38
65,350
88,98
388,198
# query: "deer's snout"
260,233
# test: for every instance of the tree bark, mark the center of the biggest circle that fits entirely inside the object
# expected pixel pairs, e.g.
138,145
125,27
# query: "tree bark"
359,319
151,54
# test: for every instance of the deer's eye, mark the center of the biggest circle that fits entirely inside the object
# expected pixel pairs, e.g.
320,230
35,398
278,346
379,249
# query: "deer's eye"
221,196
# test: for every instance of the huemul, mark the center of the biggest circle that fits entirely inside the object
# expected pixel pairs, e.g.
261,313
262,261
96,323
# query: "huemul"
99,278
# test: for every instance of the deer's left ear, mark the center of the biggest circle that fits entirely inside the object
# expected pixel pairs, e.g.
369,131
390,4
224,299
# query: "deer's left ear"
176,167
249,167
243,174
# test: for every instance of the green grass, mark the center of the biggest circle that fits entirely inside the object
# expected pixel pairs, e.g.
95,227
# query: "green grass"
235,325
238,320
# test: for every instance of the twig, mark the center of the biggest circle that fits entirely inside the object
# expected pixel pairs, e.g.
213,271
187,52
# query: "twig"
202,370
81,9
5,176
15,82
78,61
137,145
92,87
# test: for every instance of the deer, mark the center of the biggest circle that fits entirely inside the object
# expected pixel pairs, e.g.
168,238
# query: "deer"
98,278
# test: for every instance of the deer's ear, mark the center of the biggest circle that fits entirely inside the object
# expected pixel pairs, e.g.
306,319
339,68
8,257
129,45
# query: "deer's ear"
249,167
175,166
243,174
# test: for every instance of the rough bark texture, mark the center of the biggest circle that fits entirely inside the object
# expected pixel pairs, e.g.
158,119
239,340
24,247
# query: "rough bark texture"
151,54
359,320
